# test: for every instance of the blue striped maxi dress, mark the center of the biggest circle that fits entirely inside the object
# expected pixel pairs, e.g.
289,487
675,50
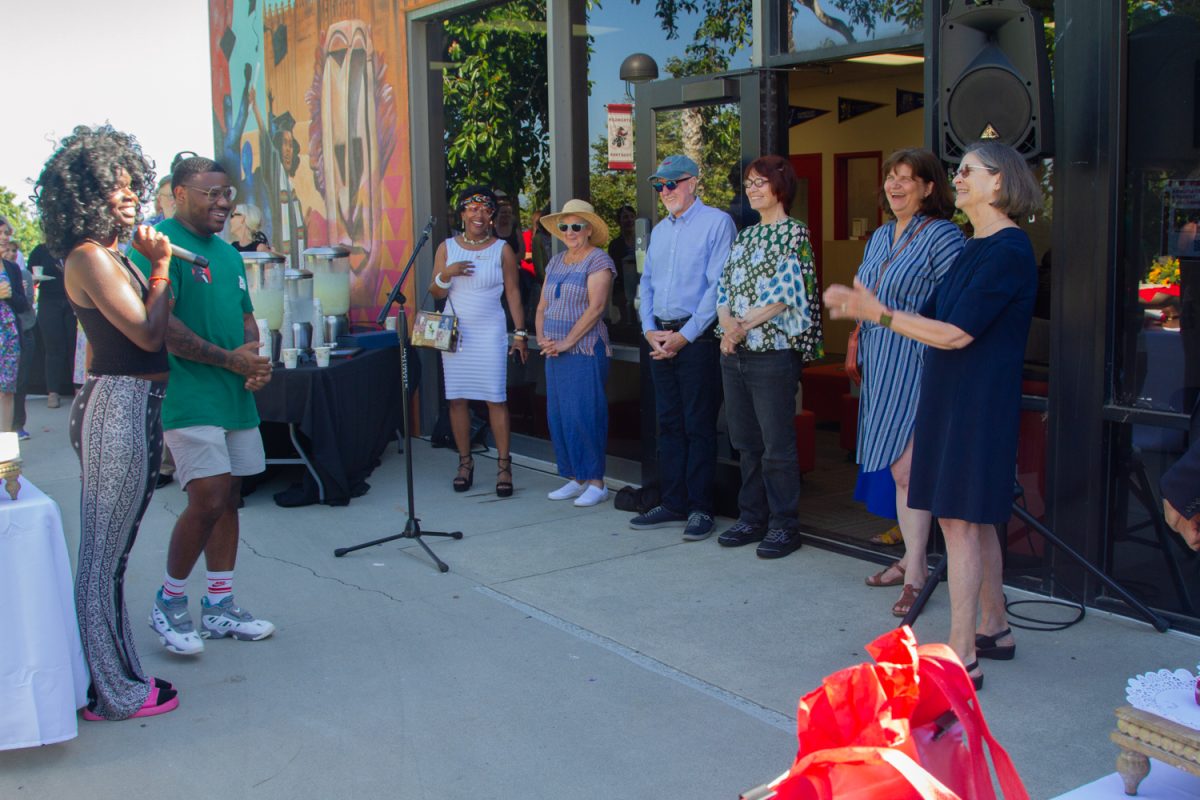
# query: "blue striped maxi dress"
891,362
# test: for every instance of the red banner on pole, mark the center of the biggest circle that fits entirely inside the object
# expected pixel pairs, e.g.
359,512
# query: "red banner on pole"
620,136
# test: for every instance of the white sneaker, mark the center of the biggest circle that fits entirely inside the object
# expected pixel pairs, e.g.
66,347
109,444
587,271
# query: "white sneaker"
567,491
171,621
592,495
226,619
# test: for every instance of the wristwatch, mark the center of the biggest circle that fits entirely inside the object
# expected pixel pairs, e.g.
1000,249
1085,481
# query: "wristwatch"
885,318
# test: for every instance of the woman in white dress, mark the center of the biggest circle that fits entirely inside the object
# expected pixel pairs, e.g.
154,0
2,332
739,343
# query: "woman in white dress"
472,269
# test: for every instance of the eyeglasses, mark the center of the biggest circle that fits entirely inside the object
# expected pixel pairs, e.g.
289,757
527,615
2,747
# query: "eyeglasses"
756,183
965,170
216,193
572,226
670,185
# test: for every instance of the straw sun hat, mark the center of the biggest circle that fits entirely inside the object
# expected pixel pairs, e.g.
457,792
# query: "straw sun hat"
585,211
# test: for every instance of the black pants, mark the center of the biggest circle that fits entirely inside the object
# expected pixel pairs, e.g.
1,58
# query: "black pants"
57,323
24,368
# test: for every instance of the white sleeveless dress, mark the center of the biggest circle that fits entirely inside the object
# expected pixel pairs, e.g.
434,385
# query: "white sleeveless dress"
478,370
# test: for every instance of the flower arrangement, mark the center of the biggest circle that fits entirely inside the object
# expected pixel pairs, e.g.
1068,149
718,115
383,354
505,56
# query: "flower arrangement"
1164,271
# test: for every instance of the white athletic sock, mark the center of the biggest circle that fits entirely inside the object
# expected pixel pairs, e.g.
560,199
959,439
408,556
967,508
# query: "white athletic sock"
173,587
220,586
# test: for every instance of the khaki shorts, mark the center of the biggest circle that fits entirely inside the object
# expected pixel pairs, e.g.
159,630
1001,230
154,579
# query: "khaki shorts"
203,451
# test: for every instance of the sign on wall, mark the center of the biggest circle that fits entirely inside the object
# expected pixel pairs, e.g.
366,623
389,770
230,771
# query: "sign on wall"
620,136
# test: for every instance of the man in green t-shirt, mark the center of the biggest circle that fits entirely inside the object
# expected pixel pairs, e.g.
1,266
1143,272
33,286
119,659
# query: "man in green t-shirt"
210,421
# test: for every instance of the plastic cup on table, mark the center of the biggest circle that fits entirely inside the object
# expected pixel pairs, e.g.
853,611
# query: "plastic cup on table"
290,356
322,354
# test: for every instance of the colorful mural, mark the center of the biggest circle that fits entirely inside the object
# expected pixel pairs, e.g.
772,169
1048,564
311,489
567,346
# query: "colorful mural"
310,114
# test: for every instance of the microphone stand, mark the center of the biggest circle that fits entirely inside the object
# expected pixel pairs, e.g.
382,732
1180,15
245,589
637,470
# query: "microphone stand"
412,527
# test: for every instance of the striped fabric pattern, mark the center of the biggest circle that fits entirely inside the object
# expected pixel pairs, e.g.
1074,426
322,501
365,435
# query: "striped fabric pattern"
891,362
478,371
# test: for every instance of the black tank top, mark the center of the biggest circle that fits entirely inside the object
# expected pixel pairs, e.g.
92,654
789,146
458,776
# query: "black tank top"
112,351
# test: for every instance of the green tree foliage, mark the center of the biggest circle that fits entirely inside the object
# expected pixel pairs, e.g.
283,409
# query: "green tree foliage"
496,99
27,231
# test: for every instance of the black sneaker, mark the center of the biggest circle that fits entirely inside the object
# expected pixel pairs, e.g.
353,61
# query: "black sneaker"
779,543
741,533
658,517
699,527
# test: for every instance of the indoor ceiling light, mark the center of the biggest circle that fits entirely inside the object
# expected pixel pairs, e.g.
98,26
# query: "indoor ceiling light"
889,59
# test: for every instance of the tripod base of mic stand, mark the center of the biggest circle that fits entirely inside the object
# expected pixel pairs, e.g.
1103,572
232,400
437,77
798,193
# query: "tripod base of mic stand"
412,530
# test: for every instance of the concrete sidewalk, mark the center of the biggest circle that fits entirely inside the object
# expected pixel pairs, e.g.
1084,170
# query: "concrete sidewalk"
564,656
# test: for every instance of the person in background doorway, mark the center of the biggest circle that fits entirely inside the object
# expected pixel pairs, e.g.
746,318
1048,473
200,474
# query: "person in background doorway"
965,437
622,252
574,341
905,260
769,312
58,326
683,265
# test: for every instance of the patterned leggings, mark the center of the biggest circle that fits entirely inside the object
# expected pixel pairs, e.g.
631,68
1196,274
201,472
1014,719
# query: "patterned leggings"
116,429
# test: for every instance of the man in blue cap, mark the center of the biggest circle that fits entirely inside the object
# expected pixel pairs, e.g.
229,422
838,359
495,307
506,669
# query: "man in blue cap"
683,264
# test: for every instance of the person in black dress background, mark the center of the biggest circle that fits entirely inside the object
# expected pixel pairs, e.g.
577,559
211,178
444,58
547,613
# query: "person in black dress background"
965,438
57,323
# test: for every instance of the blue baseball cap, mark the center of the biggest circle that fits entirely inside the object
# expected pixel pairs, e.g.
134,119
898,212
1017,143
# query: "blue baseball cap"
673,168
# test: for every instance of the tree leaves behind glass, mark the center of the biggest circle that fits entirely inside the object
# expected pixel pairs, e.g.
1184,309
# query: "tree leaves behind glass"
496,100
27,231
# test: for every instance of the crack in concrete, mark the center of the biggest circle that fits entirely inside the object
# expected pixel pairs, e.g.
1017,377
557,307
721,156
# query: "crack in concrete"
316,574
582,564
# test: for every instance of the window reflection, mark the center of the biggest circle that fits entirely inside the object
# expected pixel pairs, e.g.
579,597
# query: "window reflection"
812,25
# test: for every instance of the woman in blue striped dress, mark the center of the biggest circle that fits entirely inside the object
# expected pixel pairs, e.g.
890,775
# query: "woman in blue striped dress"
905,260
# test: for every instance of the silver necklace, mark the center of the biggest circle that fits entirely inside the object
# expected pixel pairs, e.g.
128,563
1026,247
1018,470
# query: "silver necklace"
988,227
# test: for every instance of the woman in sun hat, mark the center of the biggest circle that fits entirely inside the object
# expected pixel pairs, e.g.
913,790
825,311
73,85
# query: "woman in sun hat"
574,341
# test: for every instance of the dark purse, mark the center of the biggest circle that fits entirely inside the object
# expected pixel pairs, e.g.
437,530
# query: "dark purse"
851,365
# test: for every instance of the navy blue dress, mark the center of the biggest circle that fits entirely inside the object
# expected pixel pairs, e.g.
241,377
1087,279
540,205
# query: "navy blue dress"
965,437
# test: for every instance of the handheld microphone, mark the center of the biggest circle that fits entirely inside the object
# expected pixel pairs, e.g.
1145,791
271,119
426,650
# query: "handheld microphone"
188,256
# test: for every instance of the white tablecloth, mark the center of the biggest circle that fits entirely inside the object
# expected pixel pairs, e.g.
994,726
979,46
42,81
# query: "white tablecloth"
43,678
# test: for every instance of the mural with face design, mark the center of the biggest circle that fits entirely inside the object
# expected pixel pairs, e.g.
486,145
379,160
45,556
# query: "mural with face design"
351,141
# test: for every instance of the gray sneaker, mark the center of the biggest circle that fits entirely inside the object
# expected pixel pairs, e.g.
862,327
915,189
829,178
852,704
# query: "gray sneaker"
699,527
226,619
172,621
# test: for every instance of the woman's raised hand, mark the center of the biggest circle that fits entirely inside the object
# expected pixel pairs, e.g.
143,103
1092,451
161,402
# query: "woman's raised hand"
155,246
844,302
459,268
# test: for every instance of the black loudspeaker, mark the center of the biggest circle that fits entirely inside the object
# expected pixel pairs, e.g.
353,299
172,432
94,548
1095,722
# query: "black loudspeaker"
993,78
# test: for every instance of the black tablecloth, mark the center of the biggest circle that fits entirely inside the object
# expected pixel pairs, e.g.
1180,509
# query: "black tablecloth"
347,411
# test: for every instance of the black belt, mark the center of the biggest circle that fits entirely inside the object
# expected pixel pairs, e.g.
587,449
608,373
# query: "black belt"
674,325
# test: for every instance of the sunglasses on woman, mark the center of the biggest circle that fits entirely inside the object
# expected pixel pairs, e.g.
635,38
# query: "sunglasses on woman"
966,169
571,226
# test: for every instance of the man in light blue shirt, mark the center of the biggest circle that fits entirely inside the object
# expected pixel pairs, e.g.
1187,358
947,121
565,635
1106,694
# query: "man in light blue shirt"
683,264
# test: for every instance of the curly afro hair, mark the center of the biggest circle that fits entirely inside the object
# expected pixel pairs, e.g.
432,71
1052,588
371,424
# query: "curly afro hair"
73,190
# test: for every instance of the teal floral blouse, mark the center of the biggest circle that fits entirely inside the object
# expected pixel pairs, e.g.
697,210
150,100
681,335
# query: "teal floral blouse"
774,264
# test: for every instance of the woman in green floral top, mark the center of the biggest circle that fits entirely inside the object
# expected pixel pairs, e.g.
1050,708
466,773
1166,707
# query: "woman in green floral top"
770,325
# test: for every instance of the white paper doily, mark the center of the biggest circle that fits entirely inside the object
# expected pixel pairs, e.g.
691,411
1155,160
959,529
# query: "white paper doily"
1171,695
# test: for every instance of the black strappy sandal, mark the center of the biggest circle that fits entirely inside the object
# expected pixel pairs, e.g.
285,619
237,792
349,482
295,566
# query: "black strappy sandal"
466,474
504,488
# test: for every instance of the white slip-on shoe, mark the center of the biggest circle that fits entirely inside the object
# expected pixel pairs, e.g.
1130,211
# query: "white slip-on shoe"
567,491
592,495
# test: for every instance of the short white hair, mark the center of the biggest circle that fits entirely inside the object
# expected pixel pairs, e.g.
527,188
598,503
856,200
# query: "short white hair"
251,216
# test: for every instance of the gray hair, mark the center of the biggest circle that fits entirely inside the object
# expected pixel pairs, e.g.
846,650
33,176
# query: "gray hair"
251,215
1019,194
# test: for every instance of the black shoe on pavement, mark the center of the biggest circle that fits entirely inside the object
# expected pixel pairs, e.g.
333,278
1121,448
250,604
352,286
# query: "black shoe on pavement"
741,533
699,527
779,543
658,517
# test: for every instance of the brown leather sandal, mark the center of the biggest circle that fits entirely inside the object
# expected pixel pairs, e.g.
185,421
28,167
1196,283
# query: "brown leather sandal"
504,467
908,596
877,581
466,474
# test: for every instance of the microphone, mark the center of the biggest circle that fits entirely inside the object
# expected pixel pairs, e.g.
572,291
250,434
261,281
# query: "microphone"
188,256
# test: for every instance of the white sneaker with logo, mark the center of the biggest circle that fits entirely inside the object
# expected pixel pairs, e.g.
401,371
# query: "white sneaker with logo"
226,619
170,619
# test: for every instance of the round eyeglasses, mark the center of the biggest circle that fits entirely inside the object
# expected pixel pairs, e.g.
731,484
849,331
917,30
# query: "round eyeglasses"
670,185
755,183
571,226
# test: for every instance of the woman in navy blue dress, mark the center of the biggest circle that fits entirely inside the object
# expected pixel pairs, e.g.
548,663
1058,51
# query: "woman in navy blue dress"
965,438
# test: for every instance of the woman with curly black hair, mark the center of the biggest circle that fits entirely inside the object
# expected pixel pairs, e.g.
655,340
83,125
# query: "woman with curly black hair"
89,197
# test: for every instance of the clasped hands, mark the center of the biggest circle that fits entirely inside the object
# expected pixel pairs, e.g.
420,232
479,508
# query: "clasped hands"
1187,527
256,369
665,344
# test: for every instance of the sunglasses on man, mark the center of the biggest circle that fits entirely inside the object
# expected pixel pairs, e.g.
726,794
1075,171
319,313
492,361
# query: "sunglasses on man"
669,185
571,226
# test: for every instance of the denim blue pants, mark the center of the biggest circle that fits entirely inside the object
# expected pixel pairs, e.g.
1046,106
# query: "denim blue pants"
760,406
686,400
577,410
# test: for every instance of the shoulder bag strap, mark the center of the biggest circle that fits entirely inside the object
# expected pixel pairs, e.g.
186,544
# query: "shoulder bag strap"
899,250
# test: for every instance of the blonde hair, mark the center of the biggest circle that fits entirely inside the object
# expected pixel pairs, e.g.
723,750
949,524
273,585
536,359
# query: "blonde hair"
251,216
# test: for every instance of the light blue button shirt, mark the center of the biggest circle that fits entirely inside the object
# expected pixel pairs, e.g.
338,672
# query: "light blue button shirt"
683,267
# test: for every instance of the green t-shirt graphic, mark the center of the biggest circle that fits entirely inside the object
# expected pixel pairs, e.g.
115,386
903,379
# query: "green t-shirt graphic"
211,302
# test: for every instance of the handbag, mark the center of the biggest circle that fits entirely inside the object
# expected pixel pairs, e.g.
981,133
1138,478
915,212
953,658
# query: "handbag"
436,330
908,726
852,370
